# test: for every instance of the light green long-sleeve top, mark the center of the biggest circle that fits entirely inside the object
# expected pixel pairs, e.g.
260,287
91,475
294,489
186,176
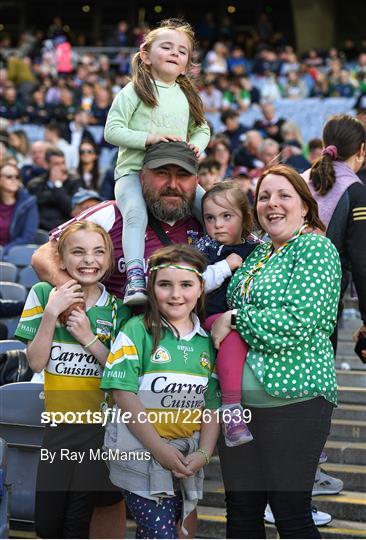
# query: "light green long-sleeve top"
130,121
290,315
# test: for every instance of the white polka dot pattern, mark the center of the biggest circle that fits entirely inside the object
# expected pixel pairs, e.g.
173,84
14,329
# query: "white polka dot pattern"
291,314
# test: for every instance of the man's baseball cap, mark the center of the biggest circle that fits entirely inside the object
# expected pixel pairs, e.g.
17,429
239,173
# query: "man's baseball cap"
83,195
171,153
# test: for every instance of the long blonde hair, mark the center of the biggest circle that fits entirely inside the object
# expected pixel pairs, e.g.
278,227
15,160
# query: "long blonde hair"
143,81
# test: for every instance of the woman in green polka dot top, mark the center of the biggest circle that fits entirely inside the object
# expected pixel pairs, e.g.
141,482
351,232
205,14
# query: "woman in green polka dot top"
284,305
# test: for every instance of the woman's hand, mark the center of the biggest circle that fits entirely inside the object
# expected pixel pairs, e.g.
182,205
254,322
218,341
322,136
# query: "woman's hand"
221,328
63,297
78,325
171,458
196,461
153,138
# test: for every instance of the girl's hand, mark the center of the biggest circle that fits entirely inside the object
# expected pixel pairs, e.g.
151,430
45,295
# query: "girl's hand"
78,325
153,138
61,298
194,149
171,458
234,261
221,328
196,461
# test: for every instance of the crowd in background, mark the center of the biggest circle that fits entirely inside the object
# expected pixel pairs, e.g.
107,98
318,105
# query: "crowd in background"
65,96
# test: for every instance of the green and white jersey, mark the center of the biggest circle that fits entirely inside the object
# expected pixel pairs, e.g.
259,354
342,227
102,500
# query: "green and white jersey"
72,375
178,378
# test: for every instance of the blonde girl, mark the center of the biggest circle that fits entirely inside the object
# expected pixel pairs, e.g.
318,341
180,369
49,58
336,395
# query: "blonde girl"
159,104
72,357
228,224
163,362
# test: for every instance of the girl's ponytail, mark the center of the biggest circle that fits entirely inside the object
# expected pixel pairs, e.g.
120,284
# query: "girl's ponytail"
322,174
193,98
143,82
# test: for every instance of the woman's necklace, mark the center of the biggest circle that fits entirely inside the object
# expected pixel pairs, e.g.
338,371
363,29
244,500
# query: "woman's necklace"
246,285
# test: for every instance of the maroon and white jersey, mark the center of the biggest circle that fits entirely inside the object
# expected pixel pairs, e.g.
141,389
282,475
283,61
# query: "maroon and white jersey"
107,215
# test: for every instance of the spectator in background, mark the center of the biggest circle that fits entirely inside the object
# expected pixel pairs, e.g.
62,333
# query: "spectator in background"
20,147
220,151
270,88
344,87
87,97
235,96
208,173
292,155
88,168
237,63
18,210
269,154
52,135
295,88
315,147
11,106
321,86
234,129
82,200
211,97
64,112
77,130
100,106
54,191
216,59
242,178
290,131
248,155
37,110
270,124
38,163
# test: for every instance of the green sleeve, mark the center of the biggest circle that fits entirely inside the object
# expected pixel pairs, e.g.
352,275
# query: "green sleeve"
198,135
124,313
213,394
306,306
117,130
124,363
31,316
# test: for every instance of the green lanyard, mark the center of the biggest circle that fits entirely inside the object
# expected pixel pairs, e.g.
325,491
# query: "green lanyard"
246,285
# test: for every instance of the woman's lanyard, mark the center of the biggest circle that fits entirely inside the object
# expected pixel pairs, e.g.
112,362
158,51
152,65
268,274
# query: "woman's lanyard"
247,284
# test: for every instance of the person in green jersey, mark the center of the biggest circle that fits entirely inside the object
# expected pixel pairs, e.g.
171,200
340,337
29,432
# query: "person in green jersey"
161,370
72,357
283,303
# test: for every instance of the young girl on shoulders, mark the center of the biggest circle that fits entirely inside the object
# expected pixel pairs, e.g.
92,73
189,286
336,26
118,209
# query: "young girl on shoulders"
228,224
72,358
159,104
163,362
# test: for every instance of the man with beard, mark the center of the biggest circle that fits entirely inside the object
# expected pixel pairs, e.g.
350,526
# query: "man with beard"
169,181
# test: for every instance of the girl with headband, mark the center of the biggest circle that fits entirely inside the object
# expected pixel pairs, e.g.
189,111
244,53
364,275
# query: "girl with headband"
161,371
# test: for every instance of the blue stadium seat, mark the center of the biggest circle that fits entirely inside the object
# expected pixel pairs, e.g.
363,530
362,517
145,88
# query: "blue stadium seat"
8,271
12,291
21,255
21,405
11,345
4,491
27,277
42,237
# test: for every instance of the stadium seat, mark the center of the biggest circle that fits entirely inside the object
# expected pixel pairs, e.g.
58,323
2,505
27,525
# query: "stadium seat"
21,255
8,271
1,253
42,237
27,277
21,405
12,291
11,324
4,493
11,345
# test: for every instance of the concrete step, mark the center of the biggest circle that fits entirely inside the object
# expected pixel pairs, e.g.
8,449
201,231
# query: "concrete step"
352,377
350,430
352,394
212,524
349,505
353,476
350,453
346,347
350,362
350,412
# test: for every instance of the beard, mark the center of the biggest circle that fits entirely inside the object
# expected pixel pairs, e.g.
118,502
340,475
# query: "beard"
164,211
